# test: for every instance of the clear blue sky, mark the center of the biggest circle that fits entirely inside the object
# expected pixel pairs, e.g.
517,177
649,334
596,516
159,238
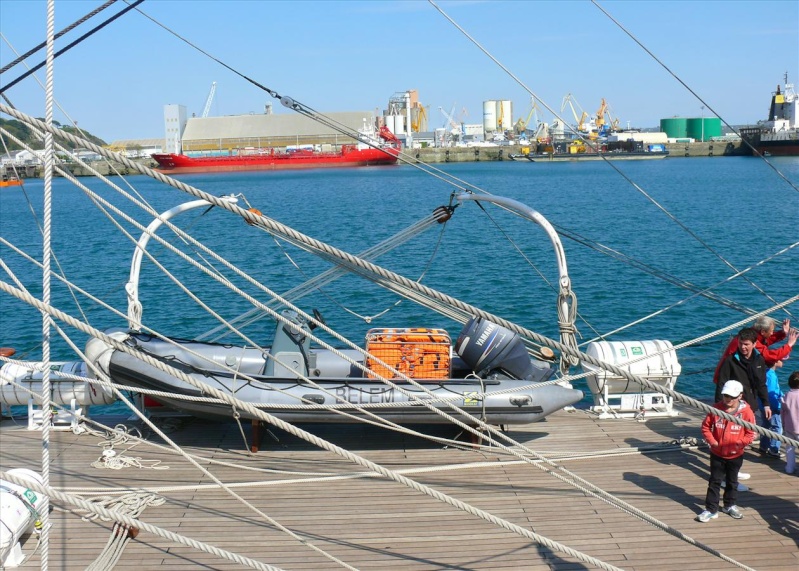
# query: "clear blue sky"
353,55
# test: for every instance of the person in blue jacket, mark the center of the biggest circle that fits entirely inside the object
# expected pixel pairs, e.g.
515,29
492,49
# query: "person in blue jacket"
769,446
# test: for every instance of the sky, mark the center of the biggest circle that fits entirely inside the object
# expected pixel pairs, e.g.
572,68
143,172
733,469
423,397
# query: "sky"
354,55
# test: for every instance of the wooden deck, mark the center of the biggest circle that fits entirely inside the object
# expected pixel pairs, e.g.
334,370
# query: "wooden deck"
372,523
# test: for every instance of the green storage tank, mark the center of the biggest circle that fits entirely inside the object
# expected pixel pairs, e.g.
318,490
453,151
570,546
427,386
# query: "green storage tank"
675,127
703,128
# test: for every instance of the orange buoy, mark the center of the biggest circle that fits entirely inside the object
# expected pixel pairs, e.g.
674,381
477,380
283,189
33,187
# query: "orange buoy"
7,351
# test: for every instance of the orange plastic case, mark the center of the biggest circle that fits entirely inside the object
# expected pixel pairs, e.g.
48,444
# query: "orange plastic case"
421,354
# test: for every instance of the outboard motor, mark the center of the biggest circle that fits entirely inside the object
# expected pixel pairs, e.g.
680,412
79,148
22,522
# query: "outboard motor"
492,350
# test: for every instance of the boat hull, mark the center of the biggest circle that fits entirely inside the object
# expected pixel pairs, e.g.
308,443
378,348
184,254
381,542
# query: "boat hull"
779,148
174,163
557,158
290,398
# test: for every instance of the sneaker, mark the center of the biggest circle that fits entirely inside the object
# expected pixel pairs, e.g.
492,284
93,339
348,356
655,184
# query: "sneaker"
744,475
706,516
773,454
733,511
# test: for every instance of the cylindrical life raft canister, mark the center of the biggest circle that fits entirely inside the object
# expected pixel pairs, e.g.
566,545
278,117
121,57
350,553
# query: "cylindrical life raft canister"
19,514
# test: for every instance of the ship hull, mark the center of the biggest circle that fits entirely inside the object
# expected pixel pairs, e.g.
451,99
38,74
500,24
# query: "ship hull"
556,158
276,161
779,148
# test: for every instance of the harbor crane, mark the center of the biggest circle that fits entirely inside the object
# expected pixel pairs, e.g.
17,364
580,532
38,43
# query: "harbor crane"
419,123
580,121
208,101
521,125
605,122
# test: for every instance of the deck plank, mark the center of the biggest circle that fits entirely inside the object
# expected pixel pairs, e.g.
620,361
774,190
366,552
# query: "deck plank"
373,523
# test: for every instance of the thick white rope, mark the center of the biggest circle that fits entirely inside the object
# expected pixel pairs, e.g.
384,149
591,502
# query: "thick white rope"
131,505
632,510
313,439
659,388
46,257
112,463
371,269
130,522
204,470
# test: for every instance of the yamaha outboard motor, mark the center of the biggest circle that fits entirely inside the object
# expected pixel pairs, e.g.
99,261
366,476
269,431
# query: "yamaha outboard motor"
492,350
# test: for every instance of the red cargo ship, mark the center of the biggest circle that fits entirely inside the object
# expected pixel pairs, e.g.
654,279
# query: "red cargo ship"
269,159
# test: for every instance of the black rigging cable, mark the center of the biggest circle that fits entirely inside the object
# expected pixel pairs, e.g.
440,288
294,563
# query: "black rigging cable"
58,35
70,46
692,92
646,195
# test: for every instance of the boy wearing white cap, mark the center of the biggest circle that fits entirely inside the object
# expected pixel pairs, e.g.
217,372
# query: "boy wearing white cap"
727,442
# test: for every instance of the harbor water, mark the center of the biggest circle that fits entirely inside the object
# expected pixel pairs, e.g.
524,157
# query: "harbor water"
638,237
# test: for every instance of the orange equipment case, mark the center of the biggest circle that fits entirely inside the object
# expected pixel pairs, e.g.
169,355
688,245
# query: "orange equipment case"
421,354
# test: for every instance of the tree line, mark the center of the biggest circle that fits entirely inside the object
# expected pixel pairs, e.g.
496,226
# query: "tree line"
25,134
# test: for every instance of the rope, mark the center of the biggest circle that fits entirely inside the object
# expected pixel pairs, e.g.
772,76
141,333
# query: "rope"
131,505
659,388
51,57
316,283
692,92
110,459
411,284
111,462
610,163
319,442
69,28
131,522
600,494
46,257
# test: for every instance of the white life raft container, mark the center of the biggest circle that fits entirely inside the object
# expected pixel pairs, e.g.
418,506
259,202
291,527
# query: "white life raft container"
654,361
19,515
63,391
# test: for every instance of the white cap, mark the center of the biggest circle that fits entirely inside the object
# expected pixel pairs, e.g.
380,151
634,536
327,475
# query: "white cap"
732,388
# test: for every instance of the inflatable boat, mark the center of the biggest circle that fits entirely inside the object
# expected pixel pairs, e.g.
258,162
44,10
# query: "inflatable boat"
487,373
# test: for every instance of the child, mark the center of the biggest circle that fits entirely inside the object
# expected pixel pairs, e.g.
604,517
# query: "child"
790,419
767,445
727,442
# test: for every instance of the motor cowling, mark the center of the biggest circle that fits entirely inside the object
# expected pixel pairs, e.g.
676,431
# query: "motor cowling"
492,350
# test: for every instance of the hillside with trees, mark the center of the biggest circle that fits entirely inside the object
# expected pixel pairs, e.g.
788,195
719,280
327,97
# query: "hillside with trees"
27,136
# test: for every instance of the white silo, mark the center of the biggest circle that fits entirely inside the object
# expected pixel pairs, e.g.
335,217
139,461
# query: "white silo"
489,116
399,124
389,119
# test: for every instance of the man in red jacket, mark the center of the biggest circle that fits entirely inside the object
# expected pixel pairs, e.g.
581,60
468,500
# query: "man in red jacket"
766,337
727,442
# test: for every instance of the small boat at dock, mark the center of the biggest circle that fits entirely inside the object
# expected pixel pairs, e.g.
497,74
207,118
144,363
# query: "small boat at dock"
8,181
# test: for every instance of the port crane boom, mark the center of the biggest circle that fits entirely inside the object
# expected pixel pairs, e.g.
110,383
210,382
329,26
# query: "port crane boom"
209,100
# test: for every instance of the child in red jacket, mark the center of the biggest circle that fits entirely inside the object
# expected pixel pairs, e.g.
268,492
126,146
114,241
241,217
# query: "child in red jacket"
727,442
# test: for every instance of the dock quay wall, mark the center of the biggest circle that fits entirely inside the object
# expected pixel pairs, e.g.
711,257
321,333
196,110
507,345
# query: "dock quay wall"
430,155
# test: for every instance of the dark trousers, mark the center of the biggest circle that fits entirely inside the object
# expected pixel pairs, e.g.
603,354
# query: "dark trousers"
727,470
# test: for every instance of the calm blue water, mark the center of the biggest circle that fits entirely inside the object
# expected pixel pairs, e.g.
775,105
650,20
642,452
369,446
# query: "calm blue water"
736,206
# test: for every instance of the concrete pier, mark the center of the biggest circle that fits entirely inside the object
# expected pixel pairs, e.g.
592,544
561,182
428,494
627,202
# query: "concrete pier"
438,155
